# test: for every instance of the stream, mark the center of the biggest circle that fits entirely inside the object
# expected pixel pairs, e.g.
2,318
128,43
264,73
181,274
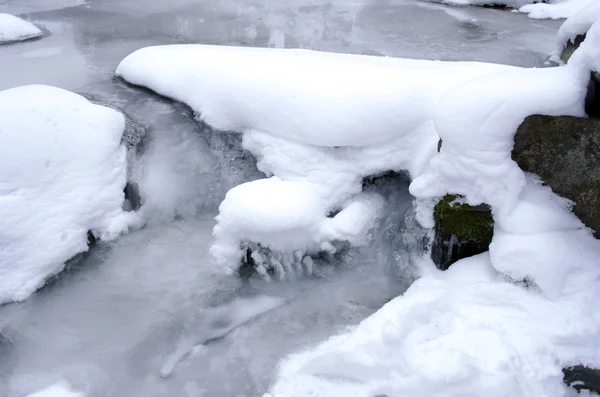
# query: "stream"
150,314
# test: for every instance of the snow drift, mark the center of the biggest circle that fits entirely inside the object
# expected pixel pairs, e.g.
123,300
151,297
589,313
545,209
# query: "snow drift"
63,172
14,29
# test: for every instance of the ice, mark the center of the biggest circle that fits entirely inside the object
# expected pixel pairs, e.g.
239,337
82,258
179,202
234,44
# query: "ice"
13,29
64,172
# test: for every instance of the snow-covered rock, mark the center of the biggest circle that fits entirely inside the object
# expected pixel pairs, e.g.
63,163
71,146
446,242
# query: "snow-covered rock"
14,29
469,331
576,25
318,122
555,9
63,172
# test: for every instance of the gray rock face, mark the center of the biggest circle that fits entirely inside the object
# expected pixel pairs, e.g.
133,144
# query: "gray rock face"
565,153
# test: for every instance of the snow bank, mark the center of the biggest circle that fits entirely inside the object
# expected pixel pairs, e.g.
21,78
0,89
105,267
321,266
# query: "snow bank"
60,389
556,9
318,122
15,29
64,170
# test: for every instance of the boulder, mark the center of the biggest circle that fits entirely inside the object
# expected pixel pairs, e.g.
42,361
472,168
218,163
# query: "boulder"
461,230
565,153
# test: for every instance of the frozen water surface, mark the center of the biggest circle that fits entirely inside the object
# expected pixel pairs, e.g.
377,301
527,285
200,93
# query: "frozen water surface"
150,315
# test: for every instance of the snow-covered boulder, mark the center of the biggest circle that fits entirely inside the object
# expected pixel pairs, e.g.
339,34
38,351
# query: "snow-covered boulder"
573,30
63,170
318,123
14,29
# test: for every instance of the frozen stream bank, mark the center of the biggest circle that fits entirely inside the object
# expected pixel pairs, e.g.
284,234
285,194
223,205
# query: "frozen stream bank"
111,324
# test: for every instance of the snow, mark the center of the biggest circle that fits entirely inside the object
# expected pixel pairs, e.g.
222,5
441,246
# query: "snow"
576,24
377,113
64,172
556,10
464,332
60,389
501,323
13,29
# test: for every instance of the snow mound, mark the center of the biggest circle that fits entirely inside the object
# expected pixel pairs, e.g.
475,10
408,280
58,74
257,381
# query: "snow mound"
13,29
556,9
318,122
64,170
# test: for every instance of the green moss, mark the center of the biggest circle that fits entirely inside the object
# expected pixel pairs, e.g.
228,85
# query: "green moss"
465,222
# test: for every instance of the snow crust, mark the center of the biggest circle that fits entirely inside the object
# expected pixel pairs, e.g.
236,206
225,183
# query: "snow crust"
13,28
63,172
502,323
556,9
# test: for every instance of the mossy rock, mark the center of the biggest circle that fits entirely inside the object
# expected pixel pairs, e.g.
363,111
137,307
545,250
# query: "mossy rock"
461,230
565,153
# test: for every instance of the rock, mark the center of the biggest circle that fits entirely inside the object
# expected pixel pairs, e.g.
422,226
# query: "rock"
565,153
592,99
461,230
580,378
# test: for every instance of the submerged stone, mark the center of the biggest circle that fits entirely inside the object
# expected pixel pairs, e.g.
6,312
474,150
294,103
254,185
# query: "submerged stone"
461,230
565,153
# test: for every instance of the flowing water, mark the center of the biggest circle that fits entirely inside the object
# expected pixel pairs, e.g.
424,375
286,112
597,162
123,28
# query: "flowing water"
149,315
